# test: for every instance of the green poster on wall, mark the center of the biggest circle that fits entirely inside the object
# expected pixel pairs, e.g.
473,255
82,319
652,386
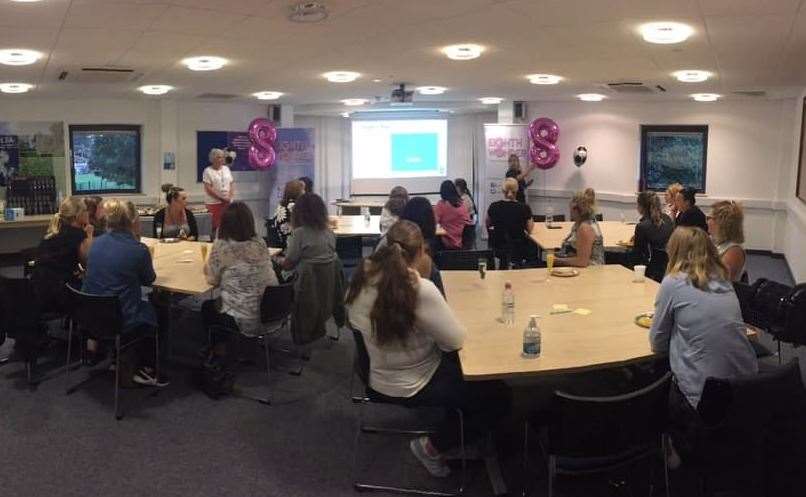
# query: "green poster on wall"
32,148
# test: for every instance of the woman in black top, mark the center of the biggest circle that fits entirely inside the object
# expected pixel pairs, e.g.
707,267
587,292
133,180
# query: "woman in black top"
176,220
652,231
509,223
690,214
65,246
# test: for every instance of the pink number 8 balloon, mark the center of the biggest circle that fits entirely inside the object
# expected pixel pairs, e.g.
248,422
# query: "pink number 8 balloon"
544,152
262,134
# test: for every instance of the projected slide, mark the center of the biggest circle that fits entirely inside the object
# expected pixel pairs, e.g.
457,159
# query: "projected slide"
400,149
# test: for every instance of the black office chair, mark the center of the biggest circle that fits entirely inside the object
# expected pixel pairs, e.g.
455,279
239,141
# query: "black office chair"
656,269
453,260
595,435
469,237
22,319
750,436
100,317
541,218
599,217
273,238
361,368
350,250
28,261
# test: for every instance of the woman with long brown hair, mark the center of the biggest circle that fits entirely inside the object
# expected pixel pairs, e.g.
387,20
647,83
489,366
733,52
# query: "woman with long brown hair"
411,335
311,239
652,231
281,222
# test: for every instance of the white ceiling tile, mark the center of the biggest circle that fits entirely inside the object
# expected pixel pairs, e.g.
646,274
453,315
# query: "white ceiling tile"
748,7
33,15
83,14
197,22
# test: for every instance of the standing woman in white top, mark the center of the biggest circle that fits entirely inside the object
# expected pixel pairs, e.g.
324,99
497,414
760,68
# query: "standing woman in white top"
725,225
411,336
219,187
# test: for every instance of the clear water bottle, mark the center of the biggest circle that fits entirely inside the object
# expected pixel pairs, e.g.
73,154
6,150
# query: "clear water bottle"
532,339
508,305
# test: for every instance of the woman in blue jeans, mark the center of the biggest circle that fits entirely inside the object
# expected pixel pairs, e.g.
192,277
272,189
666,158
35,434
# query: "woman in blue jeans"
411,336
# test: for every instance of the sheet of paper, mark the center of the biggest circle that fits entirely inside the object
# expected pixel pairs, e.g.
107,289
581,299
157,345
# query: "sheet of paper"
582,312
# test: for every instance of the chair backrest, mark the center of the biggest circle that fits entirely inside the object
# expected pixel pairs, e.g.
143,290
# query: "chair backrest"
766,309
361,366
794,330
277,303
599,217
448,260
603,426
100,315
656,269
560,218
19,309
29,257
539,218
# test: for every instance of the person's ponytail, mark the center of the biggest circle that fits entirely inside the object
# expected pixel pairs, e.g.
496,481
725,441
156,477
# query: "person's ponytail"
55,226
392,315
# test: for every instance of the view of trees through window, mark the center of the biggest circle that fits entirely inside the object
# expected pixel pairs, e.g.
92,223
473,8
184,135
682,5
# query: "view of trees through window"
106,159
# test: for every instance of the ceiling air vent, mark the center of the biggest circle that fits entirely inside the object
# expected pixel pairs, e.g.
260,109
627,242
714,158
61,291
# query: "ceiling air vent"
307,12
750,93
103,74
631,88
216,96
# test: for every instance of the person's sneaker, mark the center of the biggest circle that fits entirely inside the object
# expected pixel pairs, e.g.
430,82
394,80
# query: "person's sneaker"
145,377
433,464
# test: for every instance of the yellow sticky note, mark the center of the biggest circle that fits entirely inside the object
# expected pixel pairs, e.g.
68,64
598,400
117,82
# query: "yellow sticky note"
560,307
582,312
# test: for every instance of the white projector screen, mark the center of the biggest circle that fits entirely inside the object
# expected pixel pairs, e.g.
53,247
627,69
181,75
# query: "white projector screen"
409,152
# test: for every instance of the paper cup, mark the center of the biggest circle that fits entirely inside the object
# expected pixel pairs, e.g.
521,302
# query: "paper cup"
639,273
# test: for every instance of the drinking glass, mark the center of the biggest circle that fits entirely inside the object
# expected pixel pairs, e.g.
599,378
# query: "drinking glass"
158,229
549,263
482,268
204,252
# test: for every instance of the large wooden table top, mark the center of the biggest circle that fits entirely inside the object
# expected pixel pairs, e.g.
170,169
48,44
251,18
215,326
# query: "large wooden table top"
356,226
613,232
571,342
179,266
27,222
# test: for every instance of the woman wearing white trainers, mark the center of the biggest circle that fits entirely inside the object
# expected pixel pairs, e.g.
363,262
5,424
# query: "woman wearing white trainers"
411,337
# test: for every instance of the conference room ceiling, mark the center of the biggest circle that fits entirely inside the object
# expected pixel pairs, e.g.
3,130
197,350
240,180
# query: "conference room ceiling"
748,45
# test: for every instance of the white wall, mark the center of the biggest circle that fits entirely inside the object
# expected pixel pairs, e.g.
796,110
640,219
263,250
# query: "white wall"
793,232
749,146
167,126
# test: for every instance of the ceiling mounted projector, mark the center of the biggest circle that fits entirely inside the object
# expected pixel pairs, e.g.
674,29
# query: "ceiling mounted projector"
401,96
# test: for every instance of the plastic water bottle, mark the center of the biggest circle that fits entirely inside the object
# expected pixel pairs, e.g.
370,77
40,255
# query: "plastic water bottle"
508,305
532,339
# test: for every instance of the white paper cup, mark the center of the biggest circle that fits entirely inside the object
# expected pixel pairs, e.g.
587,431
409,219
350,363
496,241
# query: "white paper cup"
639,273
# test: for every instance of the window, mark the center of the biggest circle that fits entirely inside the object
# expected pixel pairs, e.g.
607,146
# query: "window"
673,154
105,159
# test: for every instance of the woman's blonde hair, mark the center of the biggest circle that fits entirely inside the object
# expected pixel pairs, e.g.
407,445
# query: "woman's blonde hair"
120,214
510,188
673,189
70,209
692,252
729,217
582,203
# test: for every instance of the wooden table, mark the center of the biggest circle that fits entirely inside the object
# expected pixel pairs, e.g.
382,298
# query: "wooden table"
571,342
613,232
356,226
350,205
27,222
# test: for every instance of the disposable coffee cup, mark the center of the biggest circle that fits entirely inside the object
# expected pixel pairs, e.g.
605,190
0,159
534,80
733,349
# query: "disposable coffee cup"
639,273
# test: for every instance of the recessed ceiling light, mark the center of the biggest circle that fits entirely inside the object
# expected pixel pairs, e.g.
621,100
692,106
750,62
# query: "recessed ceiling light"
345,114
268,95
705,97
544,79
354,101
491,100
465,51
341,76
15,87
155,89
376,80
691,76
591,97
204,63
18,57
431,90
666,32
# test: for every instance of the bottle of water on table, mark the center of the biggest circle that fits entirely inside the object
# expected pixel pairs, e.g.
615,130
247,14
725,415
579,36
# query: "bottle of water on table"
508,305
532,339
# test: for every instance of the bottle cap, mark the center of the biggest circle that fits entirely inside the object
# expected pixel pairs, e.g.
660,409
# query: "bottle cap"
508,284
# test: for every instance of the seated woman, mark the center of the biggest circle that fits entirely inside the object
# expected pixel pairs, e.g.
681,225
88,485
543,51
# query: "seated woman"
419,211
725,224
652,231
670,198
393,208
584,245
280,224
118,264
411,335
698,322
95,214
510,223
688,212
469,234
240,266
452,215
311,240
66,245
175,219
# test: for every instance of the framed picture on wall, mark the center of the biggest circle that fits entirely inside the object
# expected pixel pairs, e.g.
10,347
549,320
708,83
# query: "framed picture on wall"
673,154
801,188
